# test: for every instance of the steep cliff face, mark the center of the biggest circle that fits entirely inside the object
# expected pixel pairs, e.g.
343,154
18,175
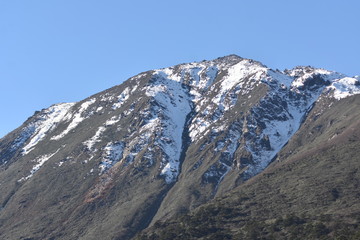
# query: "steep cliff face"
163,142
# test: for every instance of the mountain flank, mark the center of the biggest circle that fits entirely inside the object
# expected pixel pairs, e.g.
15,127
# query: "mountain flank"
220,149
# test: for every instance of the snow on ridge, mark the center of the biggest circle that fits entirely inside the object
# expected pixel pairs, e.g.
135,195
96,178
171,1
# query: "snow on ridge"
76,119
237,74
168,73
204,73
247,69
263,146
241,77
201,74
345,87
278,132
51,117
301,74
342,85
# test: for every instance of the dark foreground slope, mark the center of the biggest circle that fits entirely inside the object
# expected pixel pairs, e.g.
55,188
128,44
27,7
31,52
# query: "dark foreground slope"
311,191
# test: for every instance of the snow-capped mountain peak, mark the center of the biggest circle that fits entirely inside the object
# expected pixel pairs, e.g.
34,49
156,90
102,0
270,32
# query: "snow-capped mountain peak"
197,99
193,130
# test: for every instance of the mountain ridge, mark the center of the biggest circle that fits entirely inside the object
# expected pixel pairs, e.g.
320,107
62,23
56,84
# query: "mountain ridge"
172,139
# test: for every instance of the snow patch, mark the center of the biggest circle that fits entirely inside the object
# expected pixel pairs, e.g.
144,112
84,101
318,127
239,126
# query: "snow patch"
122,98
345,87
40,162
51,117
301,74
25,134
113,153
152,91
169,117
281,78
198,126
236,76
96,138
279,131
77,118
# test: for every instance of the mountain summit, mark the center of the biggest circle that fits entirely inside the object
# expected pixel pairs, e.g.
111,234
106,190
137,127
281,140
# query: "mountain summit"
160,144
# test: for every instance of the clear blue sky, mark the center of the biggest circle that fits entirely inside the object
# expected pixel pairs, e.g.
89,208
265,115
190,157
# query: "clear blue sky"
65,50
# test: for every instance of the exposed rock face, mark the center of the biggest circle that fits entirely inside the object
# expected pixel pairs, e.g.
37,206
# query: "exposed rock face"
163,142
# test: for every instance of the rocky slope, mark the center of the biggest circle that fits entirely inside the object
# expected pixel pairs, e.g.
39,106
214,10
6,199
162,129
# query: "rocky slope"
160,144
311,191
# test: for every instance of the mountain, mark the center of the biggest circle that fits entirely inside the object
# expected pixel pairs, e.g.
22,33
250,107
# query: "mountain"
310,191
171,141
